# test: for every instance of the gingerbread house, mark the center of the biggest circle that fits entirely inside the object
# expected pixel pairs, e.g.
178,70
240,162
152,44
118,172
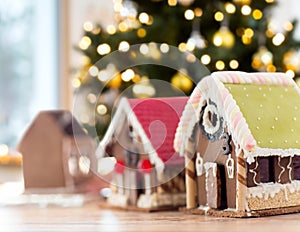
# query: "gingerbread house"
240,136
58,156
147,173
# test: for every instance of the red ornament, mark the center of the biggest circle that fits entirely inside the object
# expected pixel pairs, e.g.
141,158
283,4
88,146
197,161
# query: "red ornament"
145,166
120,166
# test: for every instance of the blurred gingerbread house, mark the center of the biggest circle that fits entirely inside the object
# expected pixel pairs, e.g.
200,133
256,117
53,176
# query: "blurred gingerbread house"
240,136
58,156
148,173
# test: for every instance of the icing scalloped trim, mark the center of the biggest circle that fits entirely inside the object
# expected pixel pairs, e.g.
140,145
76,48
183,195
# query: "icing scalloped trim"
266,152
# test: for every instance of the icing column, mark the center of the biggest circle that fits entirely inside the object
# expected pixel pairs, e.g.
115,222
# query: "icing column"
146,168
190,178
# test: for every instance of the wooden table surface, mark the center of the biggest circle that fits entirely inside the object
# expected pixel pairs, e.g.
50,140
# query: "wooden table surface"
90,217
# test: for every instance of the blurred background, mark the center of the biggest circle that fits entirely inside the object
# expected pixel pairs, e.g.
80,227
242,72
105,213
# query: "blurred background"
49,51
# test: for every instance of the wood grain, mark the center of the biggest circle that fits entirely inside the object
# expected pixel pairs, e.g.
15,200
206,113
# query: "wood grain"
91,217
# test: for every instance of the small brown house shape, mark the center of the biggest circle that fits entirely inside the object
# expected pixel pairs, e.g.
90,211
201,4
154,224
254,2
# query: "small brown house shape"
58,156
240,136
147,172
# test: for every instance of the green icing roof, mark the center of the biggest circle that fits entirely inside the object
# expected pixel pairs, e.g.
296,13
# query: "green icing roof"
272,113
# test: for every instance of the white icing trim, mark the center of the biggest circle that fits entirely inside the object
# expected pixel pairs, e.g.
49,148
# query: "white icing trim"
211,165
254,172
290,168
282,169
199,165
124,110
266,152
207,124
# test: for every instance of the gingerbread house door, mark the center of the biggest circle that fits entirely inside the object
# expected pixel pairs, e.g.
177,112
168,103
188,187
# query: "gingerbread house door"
216,186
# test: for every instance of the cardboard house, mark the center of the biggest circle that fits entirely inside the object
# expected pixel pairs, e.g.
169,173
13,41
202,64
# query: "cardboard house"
240,136
58,156
147,172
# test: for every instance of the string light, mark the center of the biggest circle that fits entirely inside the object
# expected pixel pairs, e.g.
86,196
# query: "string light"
290,73
205,59
76,83
124,46
234,64
88,26
220,65
182,47
247,36
288,26
278,39
127,75
172,2
93,71
101,109
219,16
271,68
85,42
189,14
164,48
230,8
123,26
141,33
257,14
144,17
103,76
198,12
111,29
246,10
144,49
103,49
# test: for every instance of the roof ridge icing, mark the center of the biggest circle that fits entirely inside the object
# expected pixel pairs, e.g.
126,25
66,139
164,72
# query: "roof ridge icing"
258,78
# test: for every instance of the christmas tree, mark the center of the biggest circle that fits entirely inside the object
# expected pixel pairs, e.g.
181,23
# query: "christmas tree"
222,34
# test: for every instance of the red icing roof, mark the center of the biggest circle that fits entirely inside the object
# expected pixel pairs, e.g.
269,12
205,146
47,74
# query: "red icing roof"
159,118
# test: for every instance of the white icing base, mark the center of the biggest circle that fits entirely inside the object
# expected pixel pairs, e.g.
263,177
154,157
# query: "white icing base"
157,200
118,200
270,195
